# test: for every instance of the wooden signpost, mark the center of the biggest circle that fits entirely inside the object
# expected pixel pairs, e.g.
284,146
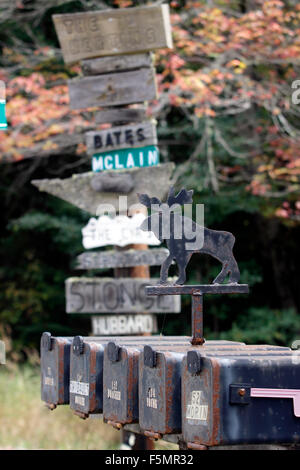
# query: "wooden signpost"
112,32
109,295
118,71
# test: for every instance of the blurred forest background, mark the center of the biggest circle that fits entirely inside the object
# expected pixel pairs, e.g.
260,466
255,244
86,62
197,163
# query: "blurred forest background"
225,117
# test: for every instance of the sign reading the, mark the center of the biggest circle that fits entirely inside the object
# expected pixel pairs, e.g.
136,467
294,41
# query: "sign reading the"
111,32
120,231
123,324
122,295
126,158
122,137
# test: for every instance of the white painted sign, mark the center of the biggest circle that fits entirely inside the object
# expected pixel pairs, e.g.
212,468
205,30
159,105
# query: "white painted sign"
80,388
196,410
123,324
120,230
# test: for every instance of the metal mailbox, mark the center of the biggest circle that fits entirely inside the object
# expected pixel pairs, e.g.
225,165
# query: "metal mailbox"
120,380
160,385
55,370
244,397
120,384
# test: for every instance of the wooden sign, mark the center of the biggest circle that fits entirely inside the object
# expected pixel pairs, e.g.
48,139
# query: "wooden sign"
85,190
112,32
122,295
114,115
2,352
121,137
113,89
119,231
121,259
116,63
126,158
123,324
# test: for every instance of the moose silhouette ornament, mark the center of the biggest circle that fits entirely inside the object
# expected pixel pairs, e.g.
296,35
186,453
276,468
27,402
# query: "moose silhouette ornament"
216,243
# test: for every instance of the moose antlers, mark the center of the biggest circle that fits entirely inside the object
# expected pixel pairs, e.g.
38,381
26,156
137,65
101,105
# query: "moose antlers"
183,197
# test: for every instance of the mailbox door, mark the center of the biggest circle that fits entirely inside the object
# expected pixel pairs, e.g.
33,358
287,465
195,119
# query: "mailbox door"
120,387
55,372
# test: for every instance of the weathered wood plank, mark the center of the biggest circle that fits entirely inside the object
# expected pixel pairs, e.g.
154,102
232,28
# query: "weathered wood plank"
122,137
121,259
113,115
2,352
113,32
123,324
109,295
87,190
113,89
116,63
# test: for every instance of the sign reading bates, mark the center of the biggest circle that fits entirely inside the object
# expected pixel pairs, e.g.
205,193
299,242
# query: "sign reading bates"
122,137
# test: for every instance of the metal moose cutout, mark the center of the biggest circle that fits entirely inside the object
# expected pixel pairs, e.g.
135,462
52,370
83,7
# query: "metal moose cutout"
216,243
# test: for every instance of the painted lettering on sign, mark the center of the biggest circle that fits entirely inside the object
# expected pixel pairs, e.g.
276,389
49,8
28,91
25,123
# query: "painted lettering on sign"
120,230
113,392
126,158
123,295
195,410
49,381
79,388
110,32
151,399
123,324
129,136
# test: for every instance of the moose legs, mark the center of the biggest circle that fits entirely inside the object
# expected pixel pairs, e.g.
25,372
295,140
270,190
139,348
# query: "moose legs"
165,269
229,266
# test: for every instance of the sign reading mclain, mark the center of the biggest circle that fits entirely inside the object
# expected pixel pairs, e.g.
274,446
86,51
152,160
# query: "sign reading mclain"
126,158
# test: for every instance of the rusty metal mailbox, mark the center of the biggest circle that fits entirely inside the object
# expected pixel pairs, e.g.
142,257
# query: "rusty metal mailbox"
247,397
120,384
159,392
55,370
160,385
86,377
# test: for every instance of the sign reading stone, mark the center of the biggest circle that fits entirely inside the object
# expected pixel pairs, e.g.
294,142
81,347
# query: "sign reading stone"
122,137
112,32
120,230
121,259
126,158
79,189
113,89
123,324
116,63
121,295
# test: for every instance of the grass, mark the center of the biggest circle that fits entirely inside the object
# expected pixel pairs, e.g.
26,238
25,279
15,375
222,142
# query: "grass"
25,422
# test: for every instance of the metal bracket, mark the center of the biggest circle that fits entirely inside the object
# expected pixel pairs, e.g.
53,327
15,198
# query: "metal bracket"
239,394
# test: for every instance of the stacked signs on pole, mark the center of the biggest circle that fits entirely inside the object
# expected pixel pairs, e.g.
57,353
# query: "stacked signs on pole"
114,47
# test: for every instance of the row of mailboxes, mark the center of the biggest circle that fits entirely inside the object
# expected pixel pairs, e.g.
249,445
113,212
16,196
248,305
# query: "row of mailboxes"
216,394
